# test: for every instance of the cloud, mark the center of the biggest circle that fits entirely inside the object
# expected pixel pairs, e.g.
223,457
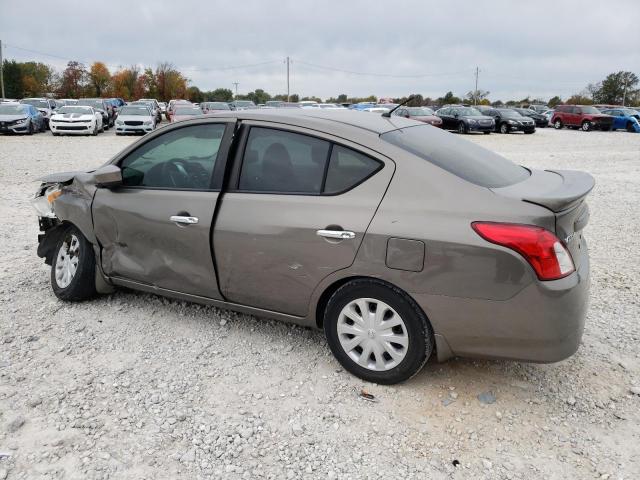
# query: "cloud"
540,48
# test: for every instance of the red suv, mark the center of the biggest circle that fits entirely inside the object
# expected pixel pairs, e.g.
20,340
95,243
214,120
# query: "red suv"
585,117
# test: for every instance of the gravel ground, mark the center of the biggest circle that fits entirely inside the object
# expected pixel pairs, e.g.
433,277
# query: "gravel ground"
134,386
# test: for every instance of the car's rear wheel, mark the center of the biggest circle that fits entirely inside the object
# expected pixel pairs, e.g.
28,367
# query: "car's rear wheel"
504,128
557,124
73,267
377,332
586,126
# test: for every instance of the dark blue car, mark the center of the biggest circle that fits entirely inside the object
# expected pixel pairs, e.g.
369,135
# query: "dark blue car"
625,118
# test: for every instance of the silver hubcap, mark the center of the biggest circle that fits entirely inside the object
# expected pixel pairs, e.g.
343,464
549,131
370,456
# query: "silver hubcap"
372,334
67,261
585,126
558,124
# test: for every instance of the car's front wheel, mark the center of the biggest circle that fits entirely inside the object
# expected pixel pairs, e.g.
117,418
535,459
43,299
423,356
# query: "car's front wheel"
73,267
377,332
462,128
504,128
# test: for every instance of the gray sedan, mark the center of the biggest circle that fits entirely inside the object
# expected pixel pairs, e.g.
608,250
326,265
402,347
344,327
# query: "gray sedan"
400,240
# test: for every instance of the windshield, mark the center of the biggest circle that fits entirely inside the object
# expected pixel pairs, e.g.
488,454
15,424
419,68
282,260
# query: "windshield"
142,110
188,111
69,109
420,112
590,110
12,110
36,103
467,112
91,103
462,158
508,113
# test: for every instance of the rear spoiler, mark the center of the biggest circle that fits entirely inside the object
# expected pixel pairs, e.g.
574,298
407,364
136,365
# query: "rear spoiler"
556,190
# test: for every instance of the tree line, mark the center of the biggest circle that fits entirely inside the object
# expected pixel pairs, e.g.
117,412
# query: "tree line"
35,79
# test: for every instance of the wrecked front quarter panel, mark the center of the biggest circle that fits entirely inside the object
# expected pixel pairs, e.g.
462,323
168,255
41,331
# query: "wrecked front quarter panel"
74,205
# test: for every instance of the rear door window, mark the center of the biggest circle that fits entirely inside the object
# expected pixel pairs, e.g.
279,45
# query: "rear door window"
347,169
283,162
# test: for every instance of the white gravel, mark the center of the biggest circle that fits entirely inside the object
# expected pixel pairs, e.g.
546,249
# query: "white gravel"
134,386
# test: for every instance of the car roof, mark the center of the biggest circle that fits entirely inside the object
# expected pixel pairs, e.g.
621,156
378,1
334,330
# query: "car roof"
326,120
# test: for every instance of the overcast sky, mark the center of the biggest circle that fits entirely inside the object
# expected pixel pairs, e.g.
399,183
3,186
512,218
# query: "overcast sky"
539,48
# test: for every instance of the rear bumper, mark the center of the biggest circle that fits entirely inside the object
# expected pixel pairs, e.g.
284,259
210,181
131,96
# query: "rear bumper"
542,323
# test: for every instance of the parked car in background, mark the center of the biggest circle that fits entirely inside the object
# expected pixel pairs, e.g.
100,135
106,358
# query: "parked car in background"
421,114
539,119
45,105
507,120
399,240
135,119
361,105
242,105
20,118
584,117
274,104
69,101
210,107
155,107
374,109
76,120
624,118
308,104
465,120
538,108
163,107
184,113
174,103
331,106
100,106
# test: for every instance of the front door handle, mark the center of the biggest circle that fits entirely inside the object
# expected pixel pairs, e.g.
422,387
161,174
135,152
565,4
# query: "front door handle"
184,220
339,234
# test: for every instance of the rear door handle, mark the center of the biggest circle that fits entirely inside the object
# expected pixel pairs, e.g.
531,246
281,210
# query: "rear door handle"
183,219
339,234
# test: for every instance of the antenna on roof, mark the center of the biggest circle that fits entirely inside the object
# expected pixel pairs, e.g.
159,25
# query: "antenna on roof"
388,114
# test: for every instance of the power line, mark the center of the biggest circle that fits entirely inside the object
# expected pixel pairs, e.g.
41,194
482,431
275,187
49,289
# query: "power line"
387,75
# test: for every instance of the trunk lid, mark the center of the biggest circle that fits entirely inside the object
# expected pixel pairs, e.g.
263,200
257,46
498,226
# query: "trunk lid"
563,192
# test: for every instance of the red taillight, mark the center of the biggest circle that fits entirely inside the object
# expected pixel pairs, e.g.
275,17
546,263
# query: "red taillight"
541,248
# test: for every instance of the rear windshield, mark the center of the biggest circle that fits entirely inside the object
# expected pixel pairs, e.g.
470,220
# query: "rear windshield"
463,158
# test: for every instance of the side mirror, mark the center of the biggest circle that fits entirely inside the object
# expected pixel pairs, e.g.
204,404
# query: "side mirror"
108,176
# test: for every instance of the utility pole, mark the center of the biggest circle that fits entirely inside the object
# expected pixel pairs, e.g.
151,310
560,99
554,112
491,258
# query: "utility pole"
287,79
236,85
475,92
624,92
1,76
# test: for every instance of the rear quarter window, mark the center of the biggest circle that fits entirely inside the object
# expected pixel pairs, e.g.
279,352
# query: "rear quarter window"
460,157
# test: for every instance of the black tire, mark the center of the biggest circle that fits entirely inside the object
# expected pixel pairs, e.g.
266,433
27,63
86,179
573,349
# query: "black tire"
420,335
462,128
557,124
31,129
504,128
83,283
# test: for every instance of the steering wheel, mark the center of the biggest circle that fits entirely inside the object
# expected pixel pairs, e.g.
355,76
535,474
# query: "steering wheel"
176,172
